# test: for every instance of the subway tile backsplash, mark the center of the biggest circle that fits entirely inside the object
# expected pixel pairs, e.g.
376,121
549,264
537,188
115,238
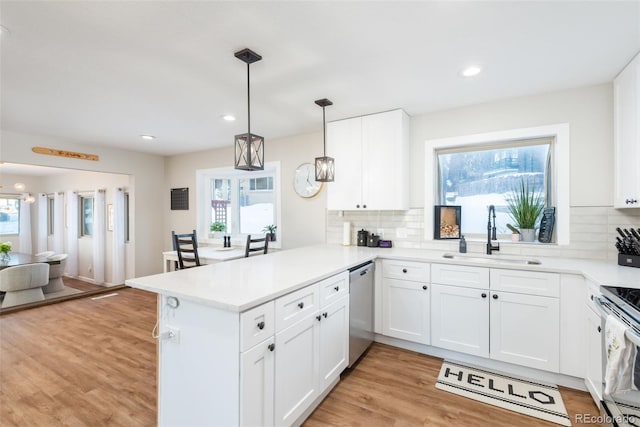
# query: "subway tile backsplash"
592,235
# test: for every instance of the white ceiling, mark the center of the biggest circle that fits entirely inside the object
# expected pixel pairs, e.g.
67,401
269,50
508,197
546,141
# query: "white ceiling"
105,72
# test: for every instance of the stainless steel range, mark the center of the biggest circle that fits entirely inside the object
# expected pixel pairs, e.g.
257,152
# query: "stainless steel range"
623,406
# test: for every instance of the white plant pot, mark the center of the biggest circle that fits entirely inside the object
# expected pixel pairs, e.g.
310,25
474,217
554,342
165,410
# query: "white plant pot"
527,234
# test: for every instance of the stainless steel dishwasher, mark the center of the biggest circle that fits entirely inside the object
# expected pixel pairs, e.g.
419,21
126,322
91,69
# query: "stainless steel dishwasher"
360,310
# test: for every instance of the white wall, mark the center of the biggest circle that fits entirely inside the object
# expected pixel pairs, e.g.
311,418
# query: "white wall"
303,220
588,110
147,177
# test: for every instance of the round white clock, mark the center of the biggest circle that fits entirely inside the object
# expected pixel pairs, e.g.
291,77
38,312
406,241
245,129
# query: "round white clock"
304,181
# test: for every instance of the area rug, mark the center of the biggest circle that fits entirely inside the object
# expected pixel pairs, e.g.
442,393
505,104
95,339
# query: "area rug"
527,397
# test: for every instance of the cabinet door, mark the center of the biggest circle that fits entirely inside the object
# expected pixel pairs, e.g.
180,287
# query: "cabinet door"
525,330
405,310
334,341
626,95
593,375
385,157
344,144
460,319
296,383
257,384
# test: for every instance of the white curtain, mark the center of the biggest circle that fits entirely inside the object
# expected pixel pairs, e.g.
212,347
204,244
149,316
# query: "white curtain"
99,231
25,227
42,222
58,224
118,237
72,234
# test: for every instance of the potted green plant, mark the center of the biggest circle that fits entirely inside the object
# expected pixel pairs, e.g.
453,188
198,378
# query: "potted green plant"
524,207
271,232
217,227
5,248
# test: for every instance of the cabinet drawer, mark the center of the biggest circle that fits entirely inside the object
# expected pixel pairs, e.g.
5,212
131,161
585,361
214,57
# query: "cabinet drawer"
333,288
256,325
405,270
526,282
296,306
460,275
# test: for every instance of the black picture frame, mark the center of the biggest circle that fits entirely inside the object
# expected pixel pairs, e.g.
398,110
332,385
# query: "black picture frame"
447,222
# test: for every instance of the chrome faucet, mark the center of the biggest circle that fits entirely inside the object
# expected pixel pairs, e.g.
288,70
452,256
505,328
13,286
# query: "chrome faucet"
491,232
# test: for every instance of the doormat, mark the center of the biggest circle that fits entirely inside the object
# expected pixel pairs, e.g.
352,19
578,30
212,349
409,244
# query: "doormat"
531,398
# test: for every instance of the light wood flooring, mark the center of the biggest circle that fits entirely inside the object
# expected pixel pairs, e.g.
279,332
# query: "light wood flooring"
93,363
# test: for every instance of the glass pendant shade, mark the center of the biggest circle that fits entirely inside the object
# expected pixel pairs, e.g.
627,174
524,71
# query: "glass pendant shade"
325,169
249,152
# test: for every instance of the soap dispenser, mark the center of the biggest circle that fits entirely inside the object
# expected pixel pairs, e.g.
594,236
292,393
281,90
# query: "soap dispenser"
463,245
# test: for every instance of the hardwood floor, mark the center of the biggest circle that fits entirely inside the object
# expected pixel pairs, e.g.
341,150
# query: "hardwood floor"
93,363
82,362
395,387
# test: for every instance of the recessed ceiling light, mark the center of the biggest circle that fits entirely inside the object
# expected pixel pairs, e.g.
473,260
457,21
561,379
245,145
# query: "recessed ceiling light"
147,137
474,70
228,118
19,186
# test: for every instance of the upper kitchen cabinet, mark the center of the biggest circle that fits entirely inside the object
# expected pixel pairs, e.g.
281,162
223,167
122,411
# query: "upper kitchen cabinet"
626,104
372,162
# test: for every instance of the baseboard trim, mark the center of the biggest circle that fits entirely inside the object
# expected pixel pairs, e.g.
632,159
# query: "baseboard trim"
522,371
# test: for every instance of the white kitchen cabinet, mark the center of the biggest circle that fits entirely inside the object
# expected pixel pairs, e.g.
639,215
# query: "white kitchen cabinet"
594,363
334,341
626,96
460,319
310,353
257,384
405,310
372,162
297,367
525,329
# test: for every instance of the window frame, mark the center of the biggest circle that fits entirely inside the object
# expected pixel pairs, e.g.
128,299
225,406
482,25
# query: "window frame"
12,197
548,187
204,191
81,223
560,168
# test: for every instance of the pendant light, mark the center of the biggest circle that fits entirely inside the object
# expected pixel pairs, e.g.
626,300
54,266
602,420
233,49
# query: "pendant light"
249,147
325,166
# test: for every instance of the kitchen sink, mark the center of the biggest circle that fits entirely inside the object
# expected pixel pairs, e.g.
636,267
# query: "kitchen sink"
490,259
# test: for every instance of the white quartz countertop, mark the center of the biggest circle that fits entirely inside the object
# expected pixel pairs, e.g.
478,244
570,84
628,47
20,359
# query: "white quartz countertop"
245,283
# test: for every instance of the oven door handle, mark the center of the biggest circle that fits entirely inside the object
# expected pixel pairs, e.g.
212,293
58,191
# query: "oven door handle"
629,333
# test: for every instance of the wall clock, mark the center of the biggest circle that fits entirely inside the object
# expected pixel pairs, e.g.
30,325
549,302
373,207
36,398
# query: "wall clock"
304,181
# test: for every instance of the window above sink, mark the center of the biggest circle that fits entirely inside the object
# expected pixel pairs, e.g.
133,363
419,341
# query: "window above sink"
474,171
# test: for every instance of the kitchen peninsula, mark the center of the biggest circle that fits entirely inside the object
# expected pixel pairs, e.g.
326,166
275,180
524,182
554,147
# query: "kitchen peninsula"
240,341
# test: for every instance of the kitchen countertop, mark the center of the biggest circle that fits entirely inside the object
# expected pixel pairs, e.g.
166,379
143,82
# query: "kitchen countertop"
246,283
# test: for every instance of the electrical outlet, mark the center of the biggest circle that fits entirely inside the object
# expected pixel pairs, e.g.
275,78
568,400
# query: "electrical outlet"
90,269
401,233
381,233
174,334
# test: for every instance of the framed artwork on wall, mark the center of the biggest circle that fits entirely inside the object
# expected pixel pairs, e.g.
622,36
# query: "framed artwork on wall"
447,222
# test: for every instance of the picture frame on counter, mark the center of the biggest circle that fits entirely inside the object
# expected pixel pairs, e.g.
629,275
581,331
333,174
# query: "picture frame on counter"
447,222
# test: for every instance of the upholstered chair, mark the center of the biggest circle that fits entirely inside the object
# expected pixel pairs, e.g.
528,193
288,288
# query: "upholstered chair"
55,274
23,283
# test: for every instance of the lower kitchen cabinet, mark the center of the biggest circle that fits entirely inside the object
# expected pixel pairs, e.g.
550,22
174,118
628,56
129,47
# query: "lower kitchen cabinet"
334,341
297,367
594,368
460,319
405,310
257,384
525,329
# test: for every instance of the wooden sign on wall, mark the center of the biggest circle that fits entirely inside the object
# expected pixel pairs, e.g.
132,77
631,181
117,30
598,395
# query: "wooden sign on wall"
64,153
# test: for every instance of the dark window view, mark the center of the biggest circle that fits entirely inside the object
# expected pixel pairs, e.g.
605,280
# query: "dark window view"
479,178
